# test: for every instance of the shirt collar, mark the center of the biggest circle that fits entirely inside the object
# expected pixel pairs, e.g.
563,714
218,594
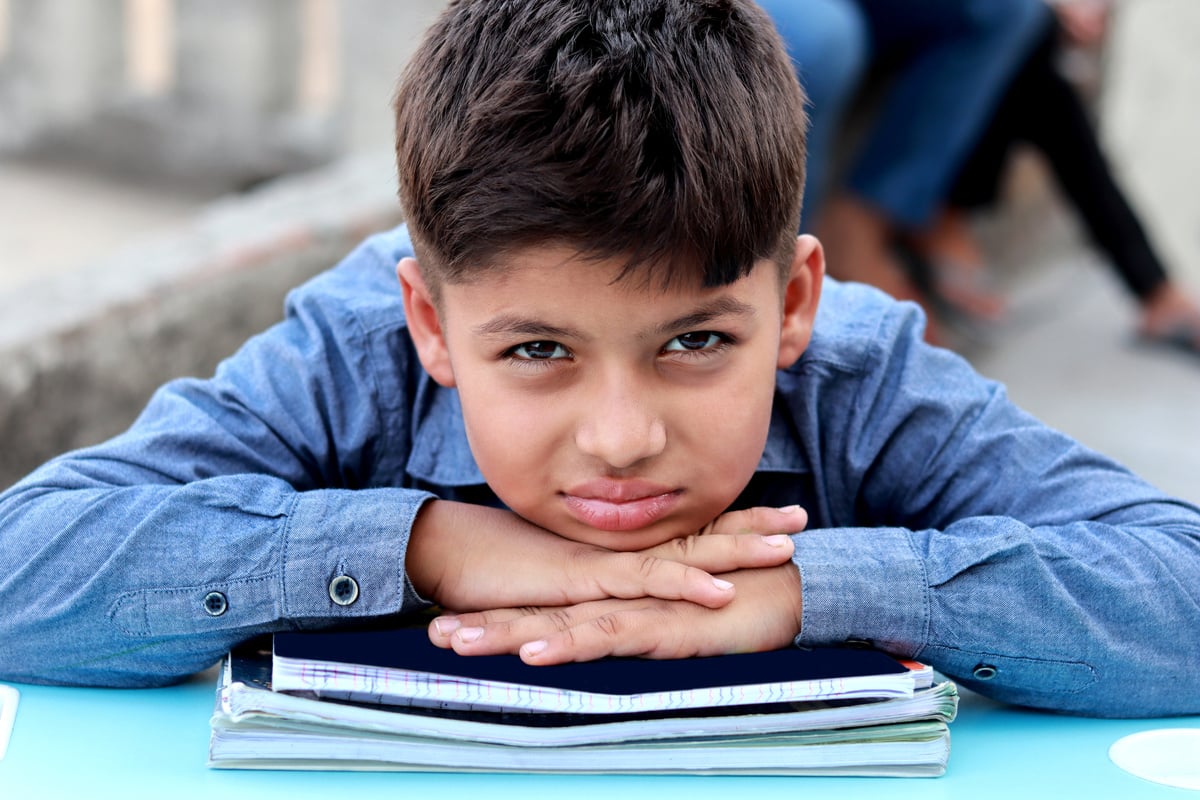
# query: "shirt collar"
441,454
782,452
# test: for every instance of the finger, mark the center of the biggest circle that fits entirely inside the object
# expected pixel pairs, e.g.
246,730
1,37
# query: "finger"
717,553
505,630
765,619
443,629
766,616
629,575
644,632
760,520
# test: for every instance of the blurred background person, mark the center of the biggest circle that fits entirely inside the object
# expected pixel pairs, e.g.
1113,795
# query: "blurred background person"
1042,109
947,63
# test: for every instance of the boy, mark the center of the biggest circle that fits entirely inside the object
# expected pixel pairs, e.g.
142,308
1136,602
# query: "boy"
605,395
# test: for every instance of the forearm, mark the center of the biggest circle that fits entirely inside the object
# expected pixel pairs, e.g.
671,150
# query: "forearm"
1090,617
144,584
952,527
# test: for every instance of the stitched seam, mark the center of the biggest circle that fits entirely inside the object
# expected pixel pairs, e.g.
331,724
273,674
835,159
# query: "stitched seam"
926,614
1091,671
143,595
292,513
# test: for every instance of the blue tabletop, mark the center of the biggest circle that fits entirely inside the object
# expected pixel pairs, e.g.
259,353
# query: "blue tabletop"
100,743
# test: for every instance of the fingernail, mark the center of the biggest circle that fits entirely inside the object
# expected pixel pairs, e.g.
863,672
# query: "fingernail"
789,509
446,625
724,586
470,634
533,648
777,539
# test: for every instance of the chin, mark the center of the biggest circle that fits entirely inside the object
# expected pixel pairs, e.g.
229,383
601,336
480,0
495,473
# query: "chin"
621,541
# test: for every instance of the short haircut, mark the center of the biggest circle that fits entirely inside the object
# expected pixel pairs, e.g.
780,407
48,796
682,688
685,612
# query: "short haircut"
670,133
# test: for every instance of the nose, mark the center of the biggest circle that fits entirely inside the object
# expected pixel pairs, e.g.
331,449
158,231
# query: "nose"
621,426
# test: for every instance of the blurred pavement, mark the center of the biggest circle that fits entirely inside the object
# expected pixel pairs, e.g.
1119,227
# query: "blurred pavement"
1067,355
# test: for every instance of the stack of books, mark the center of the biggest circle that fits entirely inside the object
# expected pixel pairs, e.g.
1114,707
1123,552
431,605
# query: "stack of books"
389,699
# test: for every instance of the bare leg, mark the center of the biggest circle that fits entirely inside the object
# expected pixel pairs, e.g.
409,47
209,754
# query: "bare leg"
958,269
856,239
1170,316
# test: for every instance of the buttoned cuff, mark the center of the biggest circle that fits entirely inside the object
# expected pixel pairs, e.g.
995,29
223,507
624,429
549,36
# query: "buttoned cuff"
344,554
862,584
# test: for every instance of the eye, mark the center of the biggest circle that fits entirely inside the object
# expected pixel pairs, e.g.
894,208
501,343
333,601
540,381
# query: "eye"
696,341
538,351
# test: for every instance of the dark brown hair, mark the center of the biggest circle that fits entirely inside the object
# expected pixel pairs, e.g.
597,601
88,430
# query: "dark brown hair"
670,133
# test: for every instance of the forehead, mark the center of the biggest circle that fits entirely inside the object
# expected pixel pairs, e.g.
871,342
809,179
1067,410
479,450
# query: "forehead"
560,284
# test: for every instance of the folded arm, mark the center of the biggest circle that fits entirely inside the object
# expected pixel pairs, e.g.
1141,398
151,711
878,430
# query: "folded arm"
958,530
232,507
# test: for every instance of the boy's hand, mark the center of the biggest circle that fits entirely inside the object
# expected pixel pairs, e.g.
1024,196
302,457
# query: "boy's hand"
765,615
469,557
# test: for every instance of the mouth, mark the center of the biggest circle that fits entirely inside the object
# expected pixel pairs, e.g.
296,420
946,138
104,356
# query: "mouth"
616,505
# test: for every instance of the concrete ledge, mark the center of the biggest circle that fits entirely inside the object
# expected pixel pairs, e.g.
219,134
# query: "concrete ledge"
80,354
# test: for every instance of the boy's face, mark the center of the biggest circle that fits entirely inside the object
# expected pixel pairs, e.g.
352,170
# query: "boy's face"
605,412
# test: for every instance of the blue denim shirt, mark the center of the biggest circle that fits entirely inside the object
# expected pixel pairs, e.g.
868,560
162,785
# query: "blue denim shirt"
946,524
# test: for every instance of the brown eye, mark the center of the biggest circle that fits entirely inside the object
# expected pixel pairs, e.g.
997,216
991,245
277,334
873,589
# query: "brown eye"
696,340
539,351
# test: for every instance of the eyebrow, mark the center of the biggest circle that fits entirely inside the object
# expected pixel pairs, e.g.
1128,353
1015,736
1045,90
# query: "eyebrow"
512,325
721,307
507,325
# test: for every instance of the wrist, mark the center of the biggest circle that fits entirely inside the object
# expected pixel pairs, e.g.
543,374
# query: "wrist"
430,543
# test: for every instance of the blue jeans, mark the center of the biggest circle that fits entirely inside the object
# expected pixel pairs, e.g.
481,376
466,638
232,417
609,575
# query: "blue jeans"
829,43
948,62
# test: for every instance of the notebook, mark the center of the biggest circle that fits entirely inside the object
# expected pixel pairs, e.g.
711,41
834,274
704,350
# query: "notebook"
402,667
256,727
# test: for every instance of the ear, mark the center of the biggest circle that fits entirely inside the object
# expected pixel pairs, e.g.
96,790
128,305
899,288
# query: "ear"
801,295
424,323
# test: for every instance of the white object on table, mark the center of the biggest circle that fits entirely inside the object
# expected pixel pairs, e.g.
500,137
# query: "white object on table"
1169,756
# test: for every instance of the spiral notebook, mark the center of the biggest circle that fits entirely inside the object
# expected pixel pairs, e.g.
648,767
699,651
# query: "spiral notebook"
867,714
402,667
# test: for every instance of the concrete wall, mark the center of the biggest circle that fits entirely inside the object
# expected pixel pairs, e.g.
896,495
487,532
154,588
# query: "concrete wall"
215,94
210,97
80,354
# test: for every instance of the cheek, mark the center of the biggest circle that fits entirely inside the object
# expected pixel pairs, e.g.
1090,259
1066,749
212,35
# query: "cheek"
733,443
497,430
511,440
726,433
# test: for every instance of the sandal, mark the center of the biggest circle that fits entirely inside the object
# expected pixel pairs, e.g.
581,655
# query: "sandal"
1182,336
964,292
969,290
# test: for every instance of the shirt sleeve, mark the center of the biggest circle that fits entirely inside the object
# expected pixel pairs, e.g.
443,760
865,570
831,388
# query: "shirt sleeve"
960,531
234,506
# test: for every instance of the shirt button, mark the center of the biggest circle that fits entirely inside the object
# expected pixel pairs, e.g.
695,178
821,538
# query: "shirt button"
343,590
215,604
984,672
